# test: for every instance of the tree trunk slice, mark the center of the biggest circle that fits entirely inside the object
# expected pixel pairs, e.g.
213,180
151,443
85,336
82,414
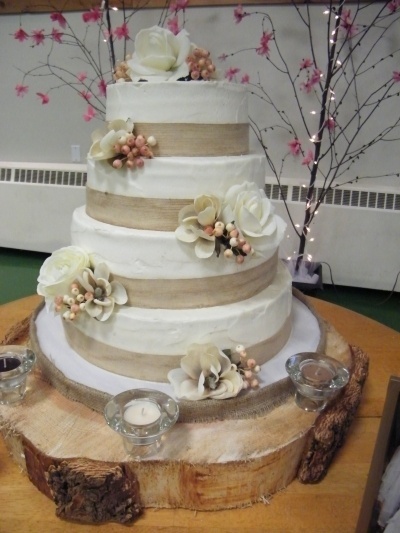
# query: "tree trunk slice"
72,456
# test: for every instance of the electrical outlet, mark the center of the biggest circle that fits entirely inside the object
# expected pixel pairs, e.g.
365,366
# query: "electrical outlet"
75,153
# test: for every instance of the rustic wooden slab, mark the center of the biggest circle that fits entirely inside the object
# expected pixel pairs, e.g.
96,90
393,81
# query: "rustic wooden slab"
202,466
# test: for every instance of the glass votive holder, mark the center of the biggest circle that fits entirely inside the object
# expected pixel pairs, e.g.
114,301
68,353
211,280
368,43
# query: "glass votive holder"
317,378
15,364
141,417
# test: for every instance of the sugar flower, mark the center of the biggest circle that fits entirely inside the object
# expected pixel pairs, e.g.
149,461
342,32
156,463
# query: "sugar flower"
101,295
59,271
159,55
253,214
197,224
104,140
206,372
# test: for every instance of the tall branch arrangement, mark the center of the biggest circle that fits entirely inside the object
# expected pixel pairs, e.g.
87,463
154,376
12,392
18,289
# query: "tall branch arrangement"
97,47
338,92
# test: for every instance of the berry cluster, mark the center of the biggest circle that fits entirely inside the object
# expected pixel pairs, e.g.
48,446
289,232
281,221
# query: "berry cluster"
70,305
132,150
121,71
228,237
247,368
200,65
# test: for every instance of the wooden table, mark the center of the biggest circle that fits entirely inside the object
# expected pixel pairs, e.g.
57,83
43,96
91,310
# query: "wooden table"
331,506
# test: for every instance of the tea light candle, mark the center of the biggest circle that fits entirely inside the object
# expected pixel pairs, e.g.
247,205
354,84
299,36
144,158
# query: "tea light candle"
317,372
8,363
142,412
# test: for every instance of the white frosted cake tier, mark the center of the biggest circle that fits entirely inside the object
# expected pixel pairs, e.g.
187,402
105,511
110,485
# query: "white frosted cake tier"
305,336
178,102
145,254
147,343
177,177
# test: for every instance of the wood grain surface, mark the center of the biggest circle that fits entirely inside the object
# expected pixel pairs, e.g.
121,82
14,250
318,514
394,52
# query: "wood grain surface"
331,506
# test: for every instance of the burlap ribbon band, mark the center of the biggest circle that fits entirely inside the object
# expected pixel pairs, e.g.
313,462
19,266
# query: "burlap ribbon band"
196,140
199,292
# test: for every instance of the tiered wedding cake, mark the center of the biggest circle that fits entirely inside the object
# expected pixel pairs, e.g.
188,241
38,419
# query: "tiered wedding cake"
177,244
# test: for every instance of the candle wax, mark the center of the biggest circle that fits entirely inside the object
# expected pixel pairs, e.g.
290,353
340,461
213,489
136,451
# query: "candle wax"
9,363
142,413
317,372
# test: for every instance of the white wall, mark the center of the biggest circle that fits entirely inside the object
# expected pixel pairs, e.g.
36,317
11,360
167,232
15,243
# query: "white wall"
44,133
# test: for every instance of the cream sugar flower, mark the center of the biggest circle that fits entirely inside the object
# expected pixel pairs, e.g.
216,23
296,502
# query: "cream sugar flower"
205,372
59,271
253,213
103,295
159,55
193,220
104,140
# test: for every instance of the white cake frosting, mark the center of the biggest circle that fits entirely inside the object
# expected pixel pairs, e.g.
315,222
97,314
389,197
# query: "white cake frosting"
202,102
177,177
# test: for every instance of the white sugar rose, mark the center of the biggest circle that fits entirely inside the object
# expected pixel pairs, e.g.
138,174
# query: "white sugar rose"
104,140
252,212
59,271
205,372
159,55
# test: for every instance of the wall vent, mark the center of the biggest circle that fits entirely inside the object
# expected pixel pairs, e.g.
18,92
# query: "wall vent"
340,197
74,178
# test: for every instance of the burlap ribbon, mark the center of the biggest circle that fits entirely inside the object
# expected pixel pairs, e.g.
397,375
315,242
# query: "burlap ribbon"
196,140
193,293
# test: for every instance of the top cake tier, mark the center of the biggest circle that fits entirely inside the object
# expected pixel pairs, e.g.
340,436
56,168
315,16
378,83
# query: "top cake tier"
212,115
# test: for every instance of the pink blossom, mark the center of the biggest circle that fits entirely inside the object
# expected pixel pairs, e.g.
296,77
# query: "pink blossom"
44,97
315,76
81,76
37,36
122,32
102,85
396,76
245,78
178,5
308,158
87,95
347,23
90,114
294,147
56,35
263,49
59,17
239,14
173,25
306,63
393,5
21,90
21,35
231,73
330,124
223,57
93,15
312,80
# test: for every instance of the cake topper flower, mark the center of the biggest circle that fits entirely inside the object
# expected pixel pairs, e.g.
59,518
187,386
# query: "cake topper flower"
159,55
118,144
206,372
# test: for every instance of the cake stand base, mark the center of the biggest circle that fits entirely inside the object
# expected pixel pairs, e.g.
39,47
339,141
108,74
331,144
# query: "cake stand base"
71,455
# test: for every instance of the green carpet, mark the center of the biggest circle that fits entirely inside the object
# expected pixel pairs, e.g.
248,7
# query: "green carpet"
19,271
